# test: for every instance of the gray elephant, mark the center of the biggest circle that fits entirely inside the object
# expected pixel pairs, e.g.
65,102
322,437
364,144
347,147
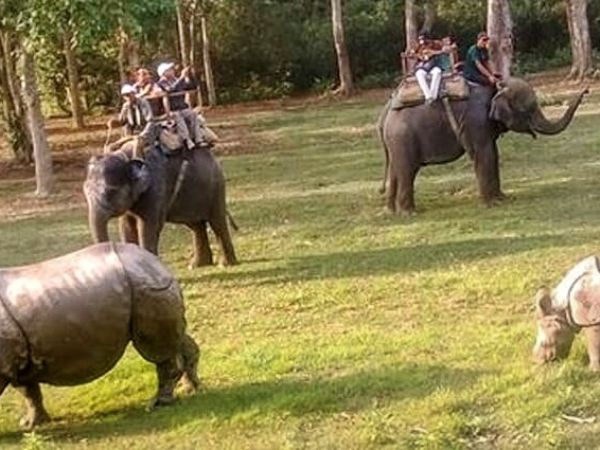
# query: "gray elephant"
67,321
180,188
427,134
574,305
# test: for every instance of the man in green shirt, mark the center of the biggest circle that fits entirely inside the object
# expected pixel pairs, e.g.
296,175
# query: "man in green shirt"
477,67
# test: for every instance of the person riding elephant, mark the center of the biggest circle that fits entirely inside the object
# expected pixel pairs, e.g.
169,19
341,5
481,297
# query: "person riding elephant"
175,87
418,136
477,68
137,120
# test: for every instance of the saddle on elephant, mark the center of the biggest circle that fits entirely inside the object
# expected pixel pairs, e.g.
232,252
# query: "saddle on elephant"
408,93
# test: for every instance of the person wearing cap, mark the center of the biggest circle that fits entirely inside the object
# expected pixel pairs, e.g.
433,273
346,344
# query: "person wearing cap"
193,134
136,119
427,54
477,68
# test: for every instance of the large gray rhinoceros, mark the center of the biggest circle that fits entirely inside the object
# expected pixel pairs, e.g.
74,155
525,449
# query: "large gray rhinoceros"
67,321
572,306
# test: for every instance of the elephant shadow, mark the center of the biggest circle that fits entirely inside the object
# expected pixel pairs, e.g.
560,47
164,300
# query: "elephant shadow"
387,261
291,396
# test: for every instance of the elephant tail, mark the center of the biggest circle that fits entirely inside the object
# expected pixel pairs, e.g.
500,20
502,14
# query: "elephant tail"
232,222
386,153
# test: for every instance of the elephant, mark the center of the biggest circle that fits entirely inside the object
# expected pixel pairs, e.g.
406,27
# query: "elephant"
574,305
184,187
68,320
425,134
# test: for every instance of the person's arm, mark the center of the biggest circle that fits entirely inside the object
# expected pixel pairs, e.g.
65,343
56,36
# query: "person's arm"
123,115
148,132
482,66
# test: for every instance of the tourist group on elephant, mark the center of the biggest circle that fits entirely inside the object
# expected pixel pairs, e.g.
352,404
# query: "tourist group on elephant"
67,321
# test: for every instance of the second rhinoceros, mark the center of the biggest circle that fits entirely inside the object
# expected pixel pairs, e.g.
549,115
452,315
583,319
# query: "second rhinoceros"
67,321
574,305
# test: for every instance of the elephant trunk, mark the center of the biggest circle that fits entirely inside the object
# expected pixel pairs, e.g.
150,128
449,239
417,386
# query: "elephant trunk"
98,222
542,125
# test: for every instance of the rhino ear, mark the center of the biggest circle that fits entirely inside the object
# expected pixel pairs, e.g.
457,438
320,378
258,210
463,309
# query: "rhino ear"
543,302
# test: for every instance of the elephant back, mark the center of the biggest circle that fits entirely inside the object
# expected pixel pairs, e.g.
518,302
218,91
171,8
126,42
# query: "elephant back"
74,312
158,316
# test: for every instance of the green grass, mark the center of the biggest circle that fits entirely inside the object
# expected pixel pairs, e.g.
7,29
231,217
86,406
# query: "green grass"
347,327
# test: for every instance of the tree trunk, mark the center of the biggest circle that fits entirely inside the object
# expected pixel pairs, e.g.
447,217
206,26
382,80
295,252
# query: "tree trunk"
182,27
345,72
581,46
499,29
15,125
410,24
41,151
73,75
430,15
208,71
121,58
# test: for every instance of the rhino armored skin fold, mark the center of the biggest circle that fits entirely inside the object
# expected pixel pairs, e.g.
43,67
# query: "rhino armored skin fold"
68,320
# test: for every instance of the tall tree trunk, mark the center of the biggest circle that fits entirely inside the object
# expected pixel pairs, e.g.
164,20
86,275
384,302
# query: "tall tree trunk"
193,8
182,27
15,124
73,75
411,25
208,71
343,59
581,46
133,53
430,15
41,151
121,61
499,29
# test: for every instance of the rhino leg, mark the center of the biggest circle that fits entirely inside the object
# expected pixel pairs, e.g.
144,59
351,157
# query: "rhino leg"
168,373
592,336
36,413
190,354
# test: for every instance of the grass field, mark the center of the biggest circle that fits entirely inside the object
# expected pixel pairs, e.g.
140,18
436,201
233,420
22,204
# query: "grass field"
344,326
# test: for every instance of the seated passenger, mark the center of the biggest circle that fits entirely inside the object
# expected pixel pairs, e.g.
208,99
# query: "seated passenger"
427,54
193,134
477,68
147,88
137,120
446,59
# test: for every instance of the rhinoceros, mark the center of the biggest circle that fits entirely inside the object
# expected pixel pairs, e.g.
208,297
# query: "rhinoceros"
68,320
574,305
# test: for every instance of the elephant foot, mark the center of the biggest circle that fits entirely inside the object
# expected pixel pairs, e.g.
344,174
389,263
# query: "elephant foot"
194,264
496,199
406,213
228,262
163,400
594,367
32,420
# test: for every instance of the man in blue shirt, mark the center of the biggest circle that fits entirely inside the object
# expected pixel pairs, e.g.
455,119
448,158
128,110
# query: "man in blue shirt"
171,84
477,68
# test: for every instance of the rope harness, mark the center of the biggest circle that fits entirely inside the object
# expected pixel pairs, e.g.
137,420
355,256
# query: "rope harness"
457,129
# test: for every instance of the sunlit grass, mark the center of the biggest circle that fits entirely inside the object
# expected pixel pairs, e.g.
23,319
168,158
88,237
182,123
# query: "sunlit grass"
347,327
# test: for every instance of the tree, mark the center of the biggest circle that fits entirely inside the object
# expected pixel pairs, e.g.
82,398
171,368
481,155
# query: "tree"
499,29
343,59
208,71
41,151
411,25
69,46
581,46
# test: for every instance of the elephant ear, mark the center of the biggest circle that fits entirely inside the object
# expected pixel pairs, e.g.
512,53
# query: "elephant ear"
584,298
139,176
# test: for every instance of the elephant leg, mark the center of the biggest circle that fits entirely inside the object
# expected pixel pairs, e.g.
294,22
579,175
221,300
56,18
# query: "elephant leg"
168,373
149,234
221,229
190,355
202,252
36,413
488,173
128,229
405,190
592,336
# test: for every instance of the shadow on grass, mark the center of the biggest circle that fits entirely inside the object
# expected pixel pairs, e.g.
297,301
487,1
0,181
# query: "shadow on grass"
390,260
297,397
